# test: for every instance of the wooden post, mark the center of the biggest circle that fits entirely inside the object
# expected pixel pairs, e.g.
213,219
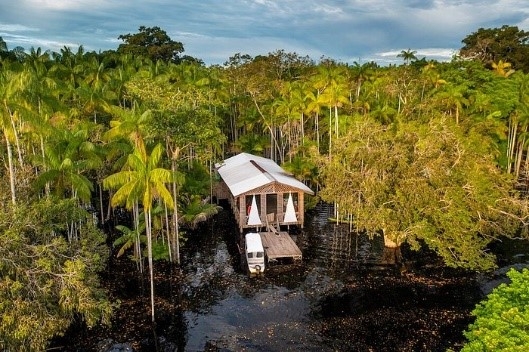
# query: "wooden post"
280,210
263,207
242,212
301,208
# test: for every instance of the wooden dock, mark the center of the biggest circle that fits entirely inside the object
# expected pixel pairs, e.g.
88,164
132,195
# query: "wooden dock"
279,245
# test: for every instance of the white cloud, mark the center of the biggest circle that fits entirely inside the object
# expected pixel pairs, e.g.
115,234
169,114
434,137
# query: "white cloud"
446,53
212,30
329,10
62,5
16,28
29,42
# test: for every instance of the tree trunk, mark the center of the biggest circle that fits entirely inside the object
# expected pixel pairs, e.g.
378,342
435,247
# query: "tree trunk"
101,206
175,243
149,253
11,170
391,254
168,229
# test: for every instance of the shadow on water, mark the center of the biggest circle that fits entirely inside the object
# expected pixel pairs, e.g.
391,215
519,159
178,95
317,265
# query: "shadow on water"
337,298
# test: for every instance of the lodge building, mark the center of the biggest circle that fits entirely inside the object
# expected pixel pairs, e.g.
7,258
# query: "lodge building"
261,194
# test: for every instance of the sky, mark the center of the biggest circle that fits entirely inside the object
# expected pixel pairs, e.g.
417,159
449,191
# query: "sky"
347,31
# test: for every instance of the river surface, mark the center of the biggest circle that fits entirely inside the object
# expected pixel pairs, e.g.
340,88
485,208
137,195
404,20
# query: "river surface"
339,298
272,313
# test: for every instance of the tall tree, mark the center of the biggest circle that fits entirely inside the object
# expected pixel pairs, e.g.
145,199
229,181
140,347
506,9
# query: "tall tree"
12,87
507,43
5,53
143,181
68,157
452,99
407,55
3,45
331,79
152,43
45,282
430,183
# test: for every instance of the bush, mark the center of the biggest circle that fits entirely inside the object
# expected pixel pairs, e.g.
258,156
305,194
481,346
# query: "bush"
502,320
50,256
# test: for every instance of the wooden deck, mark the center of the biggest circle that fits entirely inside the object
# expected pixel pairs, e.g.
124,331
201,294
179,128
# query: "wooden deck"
279,245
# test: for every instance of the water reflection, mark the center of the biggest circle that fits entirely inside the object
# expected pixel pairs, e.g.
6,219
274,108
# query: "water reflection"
225,309
334,246
337,299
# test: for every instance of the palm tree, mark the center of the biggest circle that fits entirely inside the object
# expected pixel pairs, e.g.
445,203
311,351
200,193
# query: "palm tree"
453,98
130,238
314,105
69,68
332,78
518,127
360,73
303,169
12,85
41,96
93,87
67,157
430,77
142,182
503,68
129,123
286,111
408,55
197,210
252,143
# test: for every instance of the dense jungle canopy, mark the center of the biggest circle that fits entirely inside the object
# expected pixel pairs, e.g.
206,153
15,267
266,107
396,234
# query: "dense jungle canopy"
427,153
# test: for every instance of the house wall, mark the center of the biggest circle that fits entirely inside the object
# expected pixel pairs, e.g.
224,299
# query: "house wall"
239,204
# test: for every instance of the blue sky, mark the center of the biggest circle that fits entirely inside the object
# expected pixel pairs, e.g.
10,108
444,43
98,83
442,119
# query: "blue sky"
214,30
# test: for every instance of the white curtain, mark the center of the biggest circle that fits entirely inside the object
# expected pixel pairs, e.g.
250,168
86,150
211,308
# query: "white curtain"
253,218
290,213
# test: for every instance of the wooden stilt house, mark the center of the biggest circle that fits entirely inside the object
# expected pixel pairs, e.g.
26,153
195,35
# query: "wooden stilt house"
260,192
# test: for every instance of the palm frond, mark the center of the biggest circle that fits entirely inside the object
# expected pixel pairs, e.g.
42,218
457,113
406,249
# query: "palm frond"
164,194
155,157
117,180
121,197
197,210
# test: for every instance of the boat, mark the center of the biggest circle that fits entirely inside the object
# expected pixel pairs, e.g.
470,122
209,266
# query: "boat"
254,253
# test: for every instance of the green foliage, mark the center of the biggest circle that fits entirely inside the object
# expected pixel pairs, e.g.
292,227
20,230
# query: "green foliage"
490,45
45,281
142,181
129,238
430,182
153,43
425,151
69,155
502,319
252,143
3,45
197,210
303,168
160,250
197,181
183,116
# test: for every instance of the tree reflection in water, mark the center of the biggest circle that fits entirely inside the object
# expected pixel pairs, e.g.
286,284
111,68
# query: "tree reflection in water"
340,297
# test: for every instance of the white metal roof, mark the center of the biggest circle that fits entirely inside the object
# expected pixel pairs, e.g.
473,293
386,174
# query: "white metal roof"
244,172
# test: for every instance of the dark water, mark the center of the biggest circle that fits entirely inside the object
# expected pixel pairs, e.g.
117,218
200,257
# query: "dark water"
337,299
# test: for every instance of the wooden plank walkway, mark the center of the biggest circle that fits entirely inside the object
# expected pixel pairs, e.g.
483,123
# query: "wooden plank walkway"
279,245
